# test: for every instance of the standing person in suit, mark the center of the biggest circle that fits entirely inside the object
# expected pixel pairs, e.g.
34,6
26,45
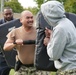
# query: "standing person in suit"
7,16
23,39
61,41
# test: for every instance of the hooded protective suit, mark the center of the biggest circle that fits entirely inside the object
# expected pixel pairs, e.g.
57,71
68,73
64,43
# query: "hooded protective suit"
62,45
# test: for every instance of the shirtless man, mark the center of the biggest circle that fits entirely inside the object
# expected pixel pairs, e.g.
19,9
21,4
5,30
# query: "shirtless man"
17,38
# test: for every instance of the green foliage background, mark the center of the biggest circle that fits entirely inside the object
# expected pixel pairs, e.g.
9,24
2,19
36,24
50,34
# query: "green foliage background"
15,5
69,5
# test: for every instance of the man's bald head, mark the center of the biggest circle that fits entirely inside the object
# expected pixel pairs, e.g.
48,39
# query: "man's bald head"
27,18
25,13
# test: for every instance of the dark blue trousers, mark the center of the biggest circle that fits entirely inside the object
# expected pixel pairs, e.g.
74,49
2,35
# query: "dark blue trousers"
4,68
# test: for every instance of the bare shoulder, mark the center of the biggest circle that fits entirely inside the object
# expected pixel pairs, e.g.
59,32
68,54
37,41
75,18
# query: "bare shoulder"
17,29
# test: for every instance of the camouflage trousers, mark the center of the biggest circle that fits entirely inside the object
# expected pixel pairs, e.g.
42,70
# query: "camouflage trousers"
69,72
30,71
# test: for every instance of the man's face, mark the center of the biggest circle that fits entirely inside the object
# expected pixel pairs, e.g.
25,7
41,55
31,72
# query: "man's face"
8,14
27,20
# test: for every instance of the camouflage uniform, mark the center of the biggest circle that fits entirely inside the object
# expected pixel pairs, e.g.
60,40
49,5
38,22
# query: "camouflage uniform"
30,71
70,72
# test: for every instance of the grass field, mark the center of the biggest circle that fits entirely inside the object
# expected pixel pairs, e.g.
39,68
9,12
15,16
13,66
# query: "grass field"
12,72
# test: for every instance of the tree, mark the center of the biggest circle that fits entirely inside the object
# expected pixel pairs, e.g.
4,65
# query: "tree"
15,5
70,6
39,2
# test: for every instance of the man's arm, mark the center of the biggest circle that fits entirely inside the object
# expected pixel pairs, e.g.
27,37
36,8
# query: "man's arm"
57,44
9,44
48,33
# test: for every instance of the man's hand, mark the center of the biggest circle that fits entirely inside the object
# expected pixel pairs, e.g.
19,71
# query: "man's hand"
46,40
47,32
19,42
47,36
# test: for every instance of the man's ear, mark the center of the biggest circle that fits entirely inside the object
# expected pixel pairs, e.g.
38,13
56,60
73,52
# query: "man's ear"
20,19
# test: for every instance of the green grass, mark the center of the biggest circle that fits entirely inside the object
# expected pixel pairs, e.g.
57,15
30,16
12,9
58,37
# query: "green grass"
53,73
12,72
